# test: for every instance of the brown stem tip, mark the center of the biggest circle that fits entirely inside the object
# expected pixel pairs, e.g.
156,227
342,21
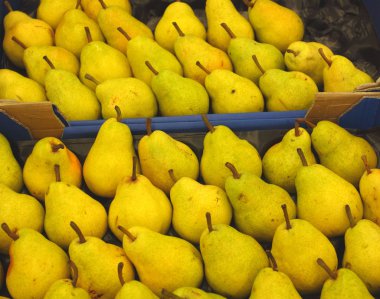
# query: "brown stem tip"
77,230
134,168
103,4
297,128
180,32
367,168
124,33
48,61
349,215
209,126
286,216
88,34
148,126
203,68
127,233
209,222
272,260
325,58
307,122
56,147
302,157
331,273
11,234
74,270
152,69
295,53
20,43
78,4
120,267
172,176
165,294
118,113
92,79
8,5
232,168
259,66
57,172
228,30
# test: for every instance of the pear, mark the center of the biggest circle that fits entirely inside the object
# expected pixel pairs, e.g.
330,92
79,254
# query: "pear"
241,49
162,261
35,261
181,13
110,158
281,161
304,57
341,75
114,17
22,31
52,11
67,288
97,263
18,211
369,192
64,203
39,169
342,283
224,11
220,243
256,204
275,24
139,203
176,95
222,145
37,68
362,245
193,293
133,97
133,289
189,49
102,62
331,142
271,283
159,153
296,246
70,33
10,170
322,196
191,200
93,7
14,86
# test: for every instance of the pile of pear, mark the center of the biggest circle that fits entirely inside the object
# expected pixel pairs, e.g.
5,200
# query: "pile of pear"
88,56
156,218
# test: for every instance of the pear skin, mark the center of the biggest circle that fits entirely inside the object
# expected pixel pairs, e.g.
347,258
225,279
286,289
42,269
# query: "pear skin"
93,7
370,193
135,289
52,11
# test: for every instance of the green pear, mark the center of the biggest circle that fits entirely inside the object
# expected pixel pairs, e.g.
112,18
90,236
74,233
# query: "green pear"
275,24
73,99
114,17
189,49
331,142
139,203
64,203
97,263
220,243
361,253
183,14
70,33
341,75
67,288
191,200
52,11
195,293
178,96
18,211
304,57
35,261
256,204
343,283
136,290
162,261
296,246
222,145
224,11
14,86
110,158
93,7
159,153
10,170
40,166
281,161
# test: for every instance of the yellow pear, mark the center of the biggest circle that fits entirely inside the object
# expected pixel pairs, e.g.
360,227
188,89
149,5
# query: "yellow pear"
52,11
93,7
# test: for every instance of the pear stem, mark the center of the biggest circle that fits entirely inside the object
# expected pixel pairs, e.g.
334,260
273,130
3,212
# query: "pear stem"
20,43
328,61
123,32
302,157
74,268
92,79
120,267
292,52
180,32
254,57
118,113
127,233
235,173
272,260
77,230
8,5
325,267
49,62
56,147
228,29
78,4
9,232
102,3
286,216
88,34
209,126
365,161
203,68
148,126
134,168
297,128
57,172
308,123
153,70
168,295
247,2
171,174
209,222
349,215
